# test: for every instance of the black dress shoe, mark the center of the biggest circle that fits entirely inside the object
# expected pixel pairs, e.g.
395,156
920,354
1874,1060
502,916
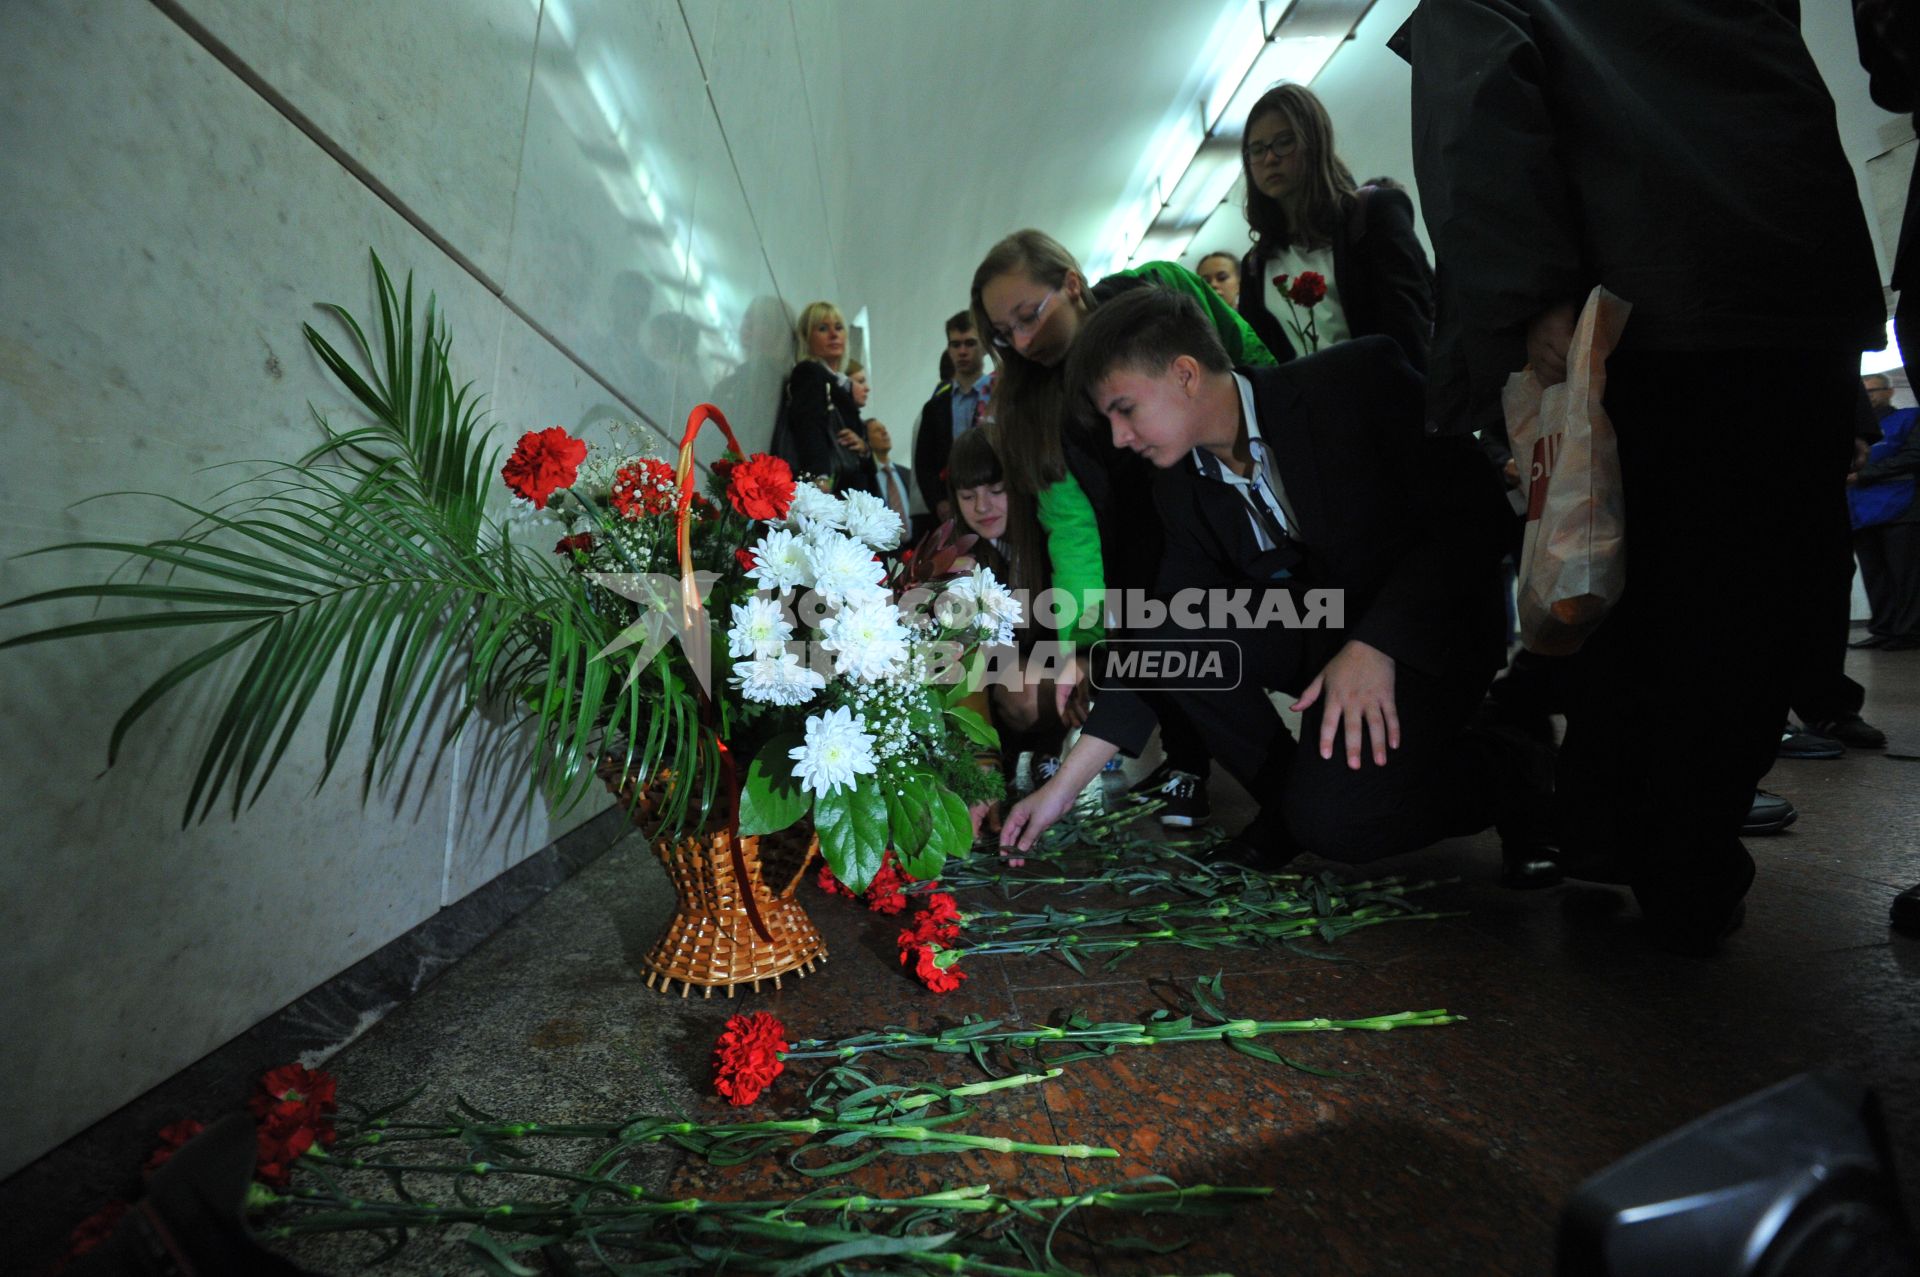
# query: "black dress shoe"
1797,742
1529,868
1852,731
1769,814
1870,641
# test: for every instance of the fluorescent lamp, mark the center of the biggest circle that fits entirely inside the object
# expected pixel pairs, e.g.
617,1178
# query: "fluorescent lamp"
1295,58
1872,361
1239,37
1207,181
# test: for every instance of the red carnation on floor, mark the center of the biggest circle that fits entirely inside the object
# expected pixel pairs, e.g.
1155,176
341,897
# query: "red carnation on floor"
581,541
746,1059
544,461
173,1137
94,1229
928,966
830,884
281,1140
644,487
885,893
761,487
293,1090
1308,288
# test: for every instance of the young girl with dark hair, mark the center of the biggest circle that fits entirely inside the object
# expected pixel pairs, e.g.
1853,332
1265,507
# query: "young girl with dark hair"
1306,214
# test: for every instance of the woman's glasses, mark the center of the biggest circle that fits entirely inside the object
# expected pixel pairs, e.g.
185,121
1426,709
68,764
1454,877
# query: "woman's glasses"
1278,147
1003,337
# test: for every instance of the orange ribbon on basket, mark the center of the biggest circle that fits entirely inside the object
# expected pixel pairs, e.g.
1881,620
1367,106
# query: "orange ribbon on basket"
691,613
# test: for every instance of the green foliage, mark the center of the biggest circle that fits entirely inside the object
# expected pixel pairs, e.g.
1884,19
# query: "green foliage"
371,560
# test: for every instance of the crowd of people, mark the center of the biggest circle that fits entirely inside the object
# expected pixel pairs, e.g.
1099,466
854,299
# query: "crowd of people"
1321,415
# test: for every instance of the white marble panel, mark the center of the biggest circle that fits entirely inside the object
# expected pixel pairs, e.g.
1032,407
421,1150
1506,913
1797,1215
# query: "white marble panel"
430,96
617,120
753,69
818,38
166,234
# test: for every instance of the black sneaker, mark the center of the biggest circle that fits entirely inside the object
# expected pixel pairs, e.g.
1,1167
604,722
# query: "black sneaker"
1183,795
1852,731
1769,814
1798,742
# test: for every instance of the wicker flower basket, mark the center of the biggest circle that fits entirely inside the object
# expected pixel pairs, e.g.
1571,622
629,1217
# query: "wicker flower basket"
712,941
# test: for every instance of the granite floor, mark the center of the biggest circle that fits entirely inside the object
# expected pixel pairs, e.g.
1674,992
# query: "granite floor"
1444,1150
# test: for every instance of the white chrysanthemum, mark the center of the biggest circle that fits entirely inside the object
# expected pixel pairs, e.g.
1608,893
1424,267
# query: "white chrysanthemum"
814,511
777,679
759,628
837,749
844,570
867,640
867,518
999,609
780,562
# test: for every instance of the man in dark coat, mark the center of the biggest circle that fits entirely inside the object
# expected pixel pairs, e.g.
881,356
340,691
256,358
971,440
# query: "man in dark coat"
1683,153
1346,559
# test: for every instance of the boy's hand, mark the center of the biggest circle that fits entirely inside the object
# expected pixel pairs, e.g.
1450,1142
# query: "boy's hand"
1032,816
1358,686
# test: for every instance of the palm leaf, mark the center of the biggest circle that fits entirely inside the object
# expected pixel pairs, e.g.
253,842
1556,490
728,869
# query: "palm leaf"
372,561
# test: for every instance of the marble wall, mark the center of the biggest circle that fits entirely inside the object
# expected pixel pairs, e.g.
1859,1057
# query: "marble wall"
617,204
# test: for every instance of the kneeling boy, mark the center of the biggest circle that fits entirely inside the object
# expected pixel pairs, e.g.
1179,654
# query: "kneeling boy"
1313,476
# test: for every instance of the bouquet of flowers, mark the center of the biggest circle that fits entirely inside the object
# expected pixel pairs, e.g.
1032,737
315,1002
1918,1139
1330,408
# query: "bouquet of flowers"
381,561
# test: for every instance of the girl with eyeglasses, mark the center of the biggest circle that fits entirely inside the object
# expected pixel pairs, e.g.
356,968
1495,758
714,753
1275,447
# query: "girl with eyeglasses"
1306,214
1092,499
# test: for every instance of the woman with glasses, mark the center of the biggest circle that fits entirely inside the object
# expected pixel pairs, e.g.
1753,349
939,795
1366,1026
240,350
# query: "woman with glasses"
1306,215
1093,500
820,433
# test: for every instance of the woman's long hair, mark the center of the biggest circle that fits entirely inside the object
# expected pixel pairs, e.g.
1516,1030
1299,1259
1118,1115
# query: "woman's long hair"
1029,398
975,463
1329,182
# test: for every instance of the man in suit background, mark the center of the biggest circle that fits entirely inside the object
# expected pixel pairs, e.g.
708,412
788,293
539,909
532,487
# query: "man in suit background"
954,409
894,481
1274,485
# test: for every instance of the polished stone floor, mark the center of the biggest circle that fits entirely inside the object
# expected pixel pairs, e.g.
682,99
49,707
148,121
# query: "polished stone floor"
1448,1150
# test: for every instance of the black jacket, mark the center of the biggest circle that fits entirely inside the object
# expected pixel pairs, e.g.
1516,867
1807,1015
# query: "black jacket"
1379,269
817,407
932,443
1681,152
1411,527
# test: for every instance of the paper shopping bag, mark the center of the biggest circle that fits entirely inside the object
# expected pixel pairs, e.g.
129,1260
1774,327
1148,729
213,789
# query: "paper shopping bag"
1573,564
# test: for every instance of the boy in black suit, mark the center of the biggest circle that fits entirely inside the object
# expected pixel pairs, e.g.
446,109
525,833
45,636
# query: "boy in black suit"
1353,561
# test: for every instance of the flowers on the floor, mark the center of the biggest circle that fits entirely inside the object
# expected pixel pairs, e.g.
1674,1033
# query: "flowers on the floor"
172,1138
746,1059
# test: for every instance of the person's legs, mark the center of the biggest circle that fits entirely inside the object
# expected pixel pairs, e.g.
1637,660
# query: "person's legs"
1877,576
1444,781
1824,698
1901,548
1725,532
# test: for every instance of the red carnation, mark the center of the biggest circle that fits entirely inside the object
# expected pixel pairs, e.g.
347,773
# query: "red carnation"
744,558
173,1137
545,460
830,884
761,487
94,1229
724,467
581,541
927,965
280,1141
294,1090
644,487
1280,284
884,893
1308,288
746,1059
